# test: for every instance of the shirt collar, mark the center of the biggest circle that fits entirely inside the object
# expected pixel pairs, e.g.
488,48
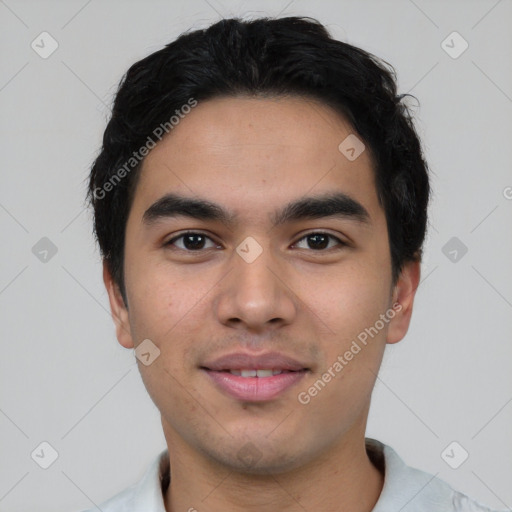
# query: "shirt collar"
405,488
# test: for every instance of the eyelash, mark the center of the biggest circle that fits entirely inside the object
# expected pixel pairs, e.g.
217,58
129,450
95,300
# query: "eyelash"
173,240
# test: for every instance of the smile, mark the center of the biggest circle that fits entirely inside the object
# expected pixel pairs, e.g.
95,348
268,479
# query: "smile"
256,373
254,377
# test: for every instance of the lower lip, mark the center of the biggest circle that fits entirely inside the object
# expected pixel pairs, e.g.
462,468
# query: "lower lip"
255,389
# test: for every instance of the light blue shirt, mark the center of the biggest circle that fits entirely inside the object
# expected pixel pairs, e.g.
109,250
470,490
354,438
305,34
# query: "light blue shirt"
405,489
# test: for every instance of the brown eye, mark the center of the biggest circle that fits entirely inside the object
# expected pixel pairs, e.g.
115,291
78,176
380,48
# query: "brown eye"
191,242
318,241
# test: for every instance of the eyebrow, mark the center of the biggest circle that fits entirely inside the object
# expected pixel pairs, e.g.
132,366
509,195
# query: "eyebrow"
338,205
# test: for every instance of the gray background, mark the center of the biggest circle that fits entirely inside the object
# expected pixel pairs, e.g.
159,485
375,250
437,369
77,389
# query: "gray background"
64,378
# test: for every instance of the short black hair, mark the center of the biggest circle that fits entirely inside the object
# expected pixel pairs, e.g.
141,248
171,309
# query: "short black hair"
292,56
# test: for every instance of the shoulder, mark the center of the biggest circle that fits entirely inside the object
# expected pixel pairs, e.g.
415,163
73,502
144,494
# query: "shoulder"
462,503
143,496
121,502
412,490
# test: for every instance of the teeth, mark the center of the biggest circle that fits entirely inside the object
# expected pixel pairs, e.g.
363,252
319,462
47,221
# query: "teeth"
264,373
255,373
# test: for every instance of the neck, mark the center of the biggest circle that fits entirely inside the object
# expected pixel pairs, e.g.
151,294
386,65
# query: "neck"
342,479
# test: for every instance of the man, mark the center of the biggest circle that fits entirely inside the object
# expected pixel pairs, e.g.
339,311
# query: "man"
260,202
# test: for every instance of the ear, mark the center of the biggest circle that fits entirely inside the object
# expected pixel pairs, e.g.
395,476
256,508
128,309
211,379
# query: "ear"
118,309
403,299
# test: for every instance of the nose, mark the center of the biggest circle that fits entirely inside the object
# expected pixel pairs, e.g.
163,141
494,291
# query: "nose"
255,295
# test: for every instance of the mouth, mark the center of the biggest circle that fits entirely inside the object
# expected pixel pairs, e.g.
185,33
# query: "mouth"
254,378
260,373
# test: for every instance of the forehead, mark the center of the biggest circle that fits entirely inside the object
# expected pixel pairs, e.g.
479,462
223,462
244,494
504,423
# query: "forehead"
236,151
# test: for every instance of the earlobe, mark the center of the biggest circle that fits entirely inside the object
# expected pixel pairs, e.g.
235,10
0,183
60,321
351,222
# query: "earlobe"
118,309
402,301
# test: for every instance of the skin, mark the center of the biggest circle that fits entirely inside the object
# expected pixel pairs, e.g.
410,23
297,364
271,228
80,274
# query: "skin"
252,156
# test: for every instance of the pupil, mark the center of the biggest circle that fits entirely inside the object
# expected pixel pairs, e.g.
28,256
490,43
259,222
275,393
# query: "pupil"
319,241
197,241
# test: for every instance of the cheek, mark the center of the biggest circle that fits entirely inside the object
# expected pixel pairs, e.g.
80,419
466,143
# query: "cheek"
357,337
151,305
349,298
354,353
157,297
170,308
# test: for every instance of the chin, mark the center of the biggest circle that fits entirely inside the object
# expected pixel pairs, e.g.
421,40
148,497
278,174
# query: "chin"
252,457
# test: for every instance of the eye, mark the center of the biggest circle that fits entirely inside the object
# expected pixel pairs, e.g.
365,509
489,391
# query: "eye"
191,241
319,241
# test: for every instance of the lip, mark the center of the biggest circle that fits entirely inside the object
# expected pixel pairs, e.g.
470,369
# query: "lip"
243,360
254,389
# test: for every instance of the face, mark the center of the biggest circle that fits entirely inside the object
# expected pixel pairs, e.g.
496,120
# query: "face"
276,257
